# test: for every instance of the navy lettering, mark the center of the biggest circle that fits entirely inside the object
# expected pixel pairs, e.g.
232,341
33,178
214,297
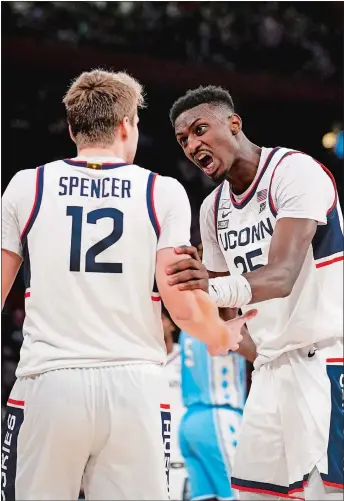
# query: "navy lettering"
84,186
255,233
105,194
223,236
267,228
73,183
63,186
95,188
115,187
126,186
232,239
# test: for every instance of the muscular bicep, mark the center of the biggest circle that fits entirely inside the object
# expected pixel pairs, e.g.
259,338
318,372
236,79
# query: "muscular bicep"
290,243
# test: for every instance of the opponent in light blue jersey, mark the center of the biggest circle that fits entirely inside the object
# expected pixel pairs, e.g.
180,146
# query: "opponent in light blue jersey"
214,392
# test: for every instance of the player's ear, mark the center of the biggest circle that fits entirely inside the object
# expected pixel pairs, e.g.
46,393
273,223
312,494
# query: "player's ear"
71,133
124,127
235,124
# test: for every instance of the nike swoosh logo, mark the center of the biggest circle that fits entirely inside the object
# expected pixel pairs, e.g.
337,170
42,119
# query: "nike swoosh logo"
225,214
312,353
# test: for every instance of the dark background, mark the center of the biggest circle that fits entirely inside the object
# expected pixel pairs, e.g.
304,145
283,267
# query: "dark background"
281,61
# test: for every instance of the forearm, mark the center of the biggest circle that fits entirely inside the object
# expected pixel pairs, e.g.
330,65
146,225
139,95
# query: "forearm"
271,281
199,317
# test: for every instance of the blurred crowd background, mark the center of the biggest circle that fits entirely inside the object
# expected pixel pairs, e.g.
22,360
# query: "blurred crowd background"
281,61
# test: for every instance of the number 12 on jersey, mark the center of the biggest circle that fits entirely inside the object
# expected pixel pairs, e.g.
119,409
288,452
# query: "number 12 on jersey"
75,244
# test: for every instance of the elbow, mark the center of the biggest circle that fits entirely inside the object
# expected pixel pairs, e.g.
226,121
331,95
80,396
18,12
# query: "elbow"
180,311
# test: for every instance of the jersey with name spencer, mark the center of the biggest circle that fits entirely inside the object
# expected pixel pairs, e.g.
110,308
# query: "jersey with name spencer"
88,231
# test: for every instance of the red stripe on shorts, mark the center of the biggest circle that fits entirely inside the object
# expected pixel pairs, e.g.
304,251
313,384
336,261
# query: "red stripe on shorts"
165,406
20,403
263,491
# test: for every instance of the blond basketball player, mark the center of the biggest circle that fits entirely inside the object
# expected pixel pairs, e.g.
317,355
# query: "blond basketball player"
276,225
93,232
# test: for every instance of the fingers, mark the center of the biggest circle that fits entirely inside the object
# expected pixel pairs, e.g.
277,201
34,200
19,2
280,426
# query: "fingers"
184,276
193,285
249,315
185,264
188,249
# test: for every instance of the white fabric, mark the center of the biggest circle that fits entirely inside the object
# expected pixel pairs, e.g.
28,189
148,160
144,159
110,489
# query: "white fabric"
298,182
314,491
230,292
287,415
87,318
314,309
173,210
17,202
213,258
106,422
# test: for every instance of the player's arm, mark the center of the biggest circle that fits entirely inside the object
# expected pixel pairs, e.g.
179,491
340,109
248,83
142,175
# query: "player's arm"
11,251
214,260
301,205
193,311
10,263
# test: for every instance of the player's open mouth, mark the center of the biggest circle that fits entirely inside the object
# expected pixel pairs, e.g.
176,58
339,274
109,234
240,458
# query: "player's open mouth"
206,162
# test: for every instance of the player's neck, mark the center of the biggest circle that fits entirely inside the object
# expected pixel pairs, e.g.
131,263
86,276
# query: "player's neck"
244,169
99,152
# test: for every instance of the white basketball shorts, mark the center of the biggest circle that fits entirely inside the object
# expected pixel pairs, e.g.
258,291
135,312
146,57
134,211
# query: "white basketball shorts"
293,422
110,425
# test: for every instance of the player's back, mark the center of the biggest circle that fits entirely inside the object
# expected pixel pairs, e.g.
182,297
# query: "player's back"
210,380
89,246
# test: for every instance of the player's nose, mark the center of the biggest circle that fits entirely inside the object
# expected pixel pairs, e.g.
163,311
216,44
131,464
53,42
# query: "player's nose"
194,144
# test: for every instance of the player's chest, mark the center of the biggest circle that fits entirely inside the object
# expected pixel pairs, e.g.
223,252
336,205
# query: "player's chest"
244,235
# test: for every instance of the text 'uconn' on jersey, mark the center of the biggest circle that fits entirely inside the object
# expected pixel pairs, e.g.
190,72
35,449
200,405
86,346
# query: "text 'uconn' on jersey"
250,234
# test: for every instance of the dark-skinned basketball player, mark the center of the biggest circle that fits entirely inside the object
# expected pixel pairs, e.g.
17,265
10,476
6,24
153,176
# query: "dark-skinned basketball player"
272,234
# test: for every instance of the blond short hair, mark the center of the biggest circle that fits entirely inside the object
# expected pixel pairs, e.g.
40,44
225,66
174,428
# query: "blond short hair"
97,102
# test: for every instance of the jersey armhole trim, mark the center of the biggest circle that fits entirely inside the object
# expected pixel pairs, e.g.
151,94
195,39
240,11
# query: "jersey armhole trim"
330,175
36,204
326,170
271,202
216,208
150,203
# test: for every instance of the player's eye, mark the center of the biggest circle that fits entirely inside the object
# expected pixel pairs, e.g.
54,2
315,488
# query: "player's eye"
200,129
183,141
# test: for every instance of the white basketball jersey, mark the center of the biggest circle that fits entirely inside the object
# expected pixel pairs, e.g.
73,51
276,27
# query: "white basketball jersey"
89,249
243,227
